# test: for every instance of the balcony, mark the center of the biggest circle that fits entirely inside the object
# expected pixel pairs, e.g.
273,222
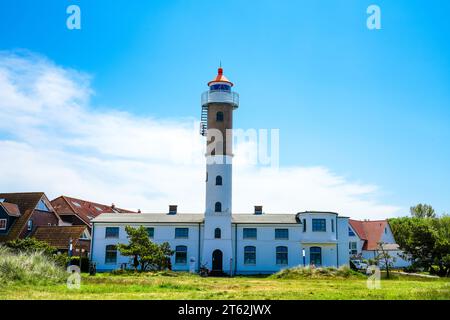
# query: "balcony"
219,96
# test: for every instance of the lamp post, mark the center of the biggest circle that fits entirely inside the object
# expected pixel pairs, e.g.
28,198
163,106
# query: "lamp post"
304,257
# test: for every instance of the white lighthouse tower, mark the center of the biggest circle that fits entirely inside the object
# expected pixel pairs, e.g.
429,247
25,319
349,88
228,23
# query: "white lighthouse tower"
218,104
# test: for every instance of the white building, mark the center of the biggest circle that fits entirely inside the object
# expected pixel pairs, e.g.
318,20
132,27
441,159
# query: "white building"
365,237
220,239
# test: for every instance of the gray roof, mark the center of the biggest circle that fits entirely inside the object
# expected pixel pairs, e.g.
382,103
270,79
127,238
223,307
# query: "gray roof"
191,218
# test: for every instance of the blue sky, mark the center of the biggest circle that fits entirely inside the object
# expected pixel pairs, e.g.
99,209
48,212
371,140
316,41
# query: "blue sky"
372,106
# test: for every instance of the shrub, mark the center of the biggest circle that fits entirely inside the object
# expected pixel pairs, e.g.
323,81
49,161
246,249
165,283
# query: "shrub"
308,272
30,245
29,268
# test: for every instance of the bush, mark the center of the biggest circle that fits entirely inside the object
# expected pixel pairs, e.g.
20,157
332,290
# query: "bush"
308,272
30,245
29,268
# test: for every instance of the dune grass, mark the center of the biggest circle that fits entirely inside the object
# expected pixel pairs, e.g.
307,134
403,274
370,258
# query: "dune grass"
30,268
184,286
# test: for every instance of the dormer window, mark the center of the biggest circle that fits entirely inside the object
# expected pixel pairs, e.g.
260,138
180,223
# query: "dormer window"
42,206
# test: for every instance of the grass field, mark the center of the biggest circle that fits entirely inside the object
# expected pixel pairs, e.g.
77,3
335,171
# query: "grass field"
185,286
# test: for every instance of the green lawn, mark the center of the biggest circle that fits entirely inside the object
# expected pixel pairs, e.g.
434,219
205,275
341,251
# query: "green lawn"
185,286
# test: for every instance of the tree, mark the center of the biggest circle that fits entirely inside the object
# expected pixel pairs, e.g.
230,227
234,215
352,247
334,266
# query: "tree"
422,211
144,253
383,258
425,240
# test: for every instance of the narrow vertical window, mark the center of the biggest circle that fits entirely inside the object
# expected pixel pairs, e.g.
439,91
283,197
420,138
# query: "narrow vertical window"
219,181
180,254
219,116
111,254
218,207
315,256
250,255
282,255
217,233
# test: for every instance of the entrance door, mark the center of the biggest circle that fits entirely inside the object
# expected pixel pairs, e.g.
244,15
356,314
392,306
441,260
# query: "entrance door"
217,260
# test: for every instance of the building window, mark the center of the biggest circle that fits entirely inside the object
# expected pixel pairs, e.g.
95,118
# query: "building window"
219,181
219,116
250,255
111,254
281,234
350,232
217,233
181,233
319,225
30,225
385,230
218,207
304,225
352,246
220,87
332,225
180,254
41,206
249,233
315,256
151,232
282,255
3,223
112,232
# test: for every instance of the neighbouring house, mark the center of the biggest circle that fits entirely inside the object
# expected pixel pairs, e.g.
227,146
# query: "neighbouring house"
364,239
22,213
79,212
61,237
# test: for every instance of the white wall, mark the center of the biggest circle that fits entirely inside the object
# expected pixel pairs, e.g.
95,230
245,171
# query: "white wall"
163,233
266,248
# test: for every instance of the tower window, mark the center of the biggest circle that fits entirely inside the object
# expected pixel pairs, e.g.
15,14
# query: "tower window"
219,181
218,207
219,116
217,233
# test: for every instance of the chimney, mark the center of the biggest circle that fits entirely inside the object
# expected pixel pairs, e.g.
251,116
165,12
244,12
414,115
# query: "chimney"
173,209
258,209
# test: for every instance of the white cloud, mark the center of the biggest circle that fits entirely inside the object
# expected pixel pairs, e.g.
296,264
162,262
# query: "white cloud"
53,140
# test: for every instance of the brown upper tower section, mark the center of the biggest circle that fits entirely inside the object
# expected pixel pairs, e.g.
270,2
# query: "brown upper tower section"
218,104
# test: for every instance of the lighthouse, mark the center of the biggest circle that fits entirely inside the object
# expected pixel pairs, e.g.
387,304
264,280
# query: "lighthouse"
218,104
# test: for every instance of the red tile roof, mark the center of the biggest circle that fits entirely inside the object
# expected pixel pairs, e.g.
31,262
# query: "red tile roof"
369,231
26,202
59,236
11,209
85,210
